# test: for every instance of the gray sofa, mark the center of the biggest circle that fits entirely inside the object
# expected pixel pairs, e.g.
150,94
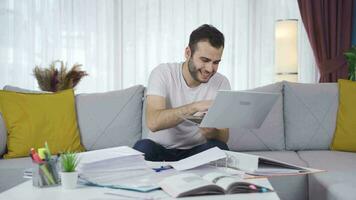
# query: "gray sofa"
298,130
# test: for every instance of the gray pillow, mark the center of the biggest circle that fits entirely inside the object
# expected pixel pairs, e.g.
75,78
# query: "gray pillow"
310,112
270,136
110,119
17,89
145,130
3,136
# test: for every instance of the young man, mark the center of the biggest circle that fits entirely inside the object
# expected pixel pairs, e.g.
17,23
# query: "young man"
188,88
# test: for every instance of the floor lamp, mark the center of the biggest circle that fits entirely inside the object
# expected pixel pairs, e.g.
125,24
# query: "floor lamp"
286,50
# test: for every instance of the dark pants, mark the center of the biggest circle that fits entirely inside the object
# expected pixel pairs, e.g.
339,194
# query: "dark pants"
156,152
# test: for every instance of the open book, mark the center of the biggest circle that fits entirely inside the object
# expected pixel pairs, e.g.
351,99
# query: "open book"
189,184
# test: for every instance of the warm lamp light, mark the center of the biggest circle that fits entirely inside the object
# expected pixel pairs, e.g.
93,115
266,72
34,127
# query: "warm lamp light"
286,50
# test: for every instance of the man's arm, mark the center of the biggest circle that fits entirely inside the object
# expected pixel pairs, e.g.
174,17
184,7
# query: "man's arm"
158,117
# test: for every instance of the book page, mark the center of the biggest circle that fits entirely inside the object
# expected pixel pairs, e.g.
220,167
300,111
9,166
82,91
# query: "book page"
188,184
223,180
234,184
135,180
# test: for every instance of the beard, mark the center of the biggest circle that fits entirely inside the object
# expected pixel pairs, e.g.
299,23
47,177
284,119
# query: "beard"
194,72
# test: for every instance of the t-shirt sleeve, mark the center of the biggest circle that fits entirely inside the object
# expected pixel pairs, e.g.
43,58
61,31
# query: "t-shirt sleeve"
157,82
225,84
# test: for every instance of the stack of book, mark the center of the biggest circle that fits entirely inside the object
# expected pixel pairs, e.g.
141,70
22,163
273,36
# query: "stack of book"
117,158
118,167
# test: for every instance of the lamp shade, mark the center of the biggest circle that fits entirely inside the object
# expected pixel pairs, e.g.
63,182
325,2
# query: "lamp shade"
286,49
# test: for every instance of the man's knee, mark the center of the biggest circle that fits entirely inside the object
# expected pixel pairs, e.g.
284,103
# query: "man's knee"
148,147
217,143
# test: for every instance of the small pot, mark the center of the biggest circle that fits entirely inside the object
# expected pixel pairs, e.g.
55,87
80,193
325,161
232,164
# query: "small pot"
69,179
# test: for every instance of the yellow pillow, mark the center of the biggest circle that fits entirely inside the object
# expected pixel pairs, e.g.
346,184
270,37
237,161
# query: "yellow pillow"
345,132
33,119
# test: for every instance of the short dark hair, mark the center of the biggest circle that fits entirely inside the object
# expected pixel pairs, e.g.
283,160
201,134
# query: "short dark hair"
206,32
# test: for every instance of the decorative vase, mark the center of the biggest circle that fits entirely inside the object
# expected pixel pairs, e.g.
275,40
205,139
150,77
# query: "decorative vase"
69,179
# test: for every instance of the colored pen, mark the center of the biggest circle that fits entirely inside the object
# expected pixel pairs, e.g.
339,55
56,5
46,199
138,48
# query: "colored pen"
35,156
47,148
259,188
162,168
253,187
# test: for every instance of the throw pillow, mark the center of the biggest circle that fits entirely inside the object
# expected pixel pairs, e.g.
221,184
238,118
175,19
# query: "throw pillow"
345,134
3,131
32,119
309,115
270,136
3,136
110,119
145,129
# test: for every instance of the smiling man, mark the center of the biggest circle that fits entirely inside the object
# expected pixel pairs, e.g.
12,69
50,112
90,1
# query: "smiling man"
187,88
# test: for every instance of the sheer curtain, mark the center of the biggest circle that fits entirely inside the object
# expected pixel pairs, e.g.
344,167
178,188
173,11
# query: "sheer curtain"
119,42
39,32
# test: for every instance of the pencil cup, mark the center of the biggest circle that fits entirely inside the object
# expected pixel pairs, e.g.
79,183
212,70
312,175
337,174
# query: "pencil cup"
45,174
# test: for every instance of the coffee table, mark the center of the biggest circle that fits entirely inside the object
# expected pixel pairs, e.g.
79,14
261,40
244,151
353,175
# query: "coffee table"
29,192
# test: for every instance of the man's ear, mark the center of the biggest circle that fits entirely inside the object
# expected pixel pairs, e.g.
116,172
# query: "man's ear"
188,52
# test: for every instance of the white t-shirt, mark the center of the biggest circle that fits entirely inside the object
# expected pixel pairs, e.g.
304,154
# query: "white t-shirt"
167,80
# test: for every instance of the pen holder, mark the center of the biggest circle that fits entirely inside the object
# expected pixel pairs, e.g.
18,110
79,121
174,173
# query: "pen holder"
45,174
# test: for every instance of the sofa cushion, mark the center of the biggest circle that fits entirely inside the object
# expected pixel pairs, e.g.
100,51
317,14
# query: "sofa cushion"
309,115
345,133
339,180
270,136
110,119
329,160
288,187
33,119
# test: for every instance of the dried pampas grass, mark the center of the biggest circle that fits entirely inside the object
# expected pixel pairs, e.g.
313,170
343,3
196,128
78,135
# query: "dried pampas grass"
51,79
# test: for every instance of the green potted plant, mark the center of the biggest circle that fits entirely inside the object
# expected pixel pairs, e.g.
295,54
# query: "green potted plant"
351,59
69,175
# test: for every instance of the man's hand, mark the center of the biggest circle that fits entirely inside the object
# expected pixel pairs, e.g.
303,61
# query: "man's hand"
202,106
214,133
209,133
158,117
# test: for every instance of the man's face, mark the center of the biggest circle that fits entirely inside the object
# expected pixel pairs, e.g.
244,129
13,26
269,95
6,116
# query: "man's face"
204,63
